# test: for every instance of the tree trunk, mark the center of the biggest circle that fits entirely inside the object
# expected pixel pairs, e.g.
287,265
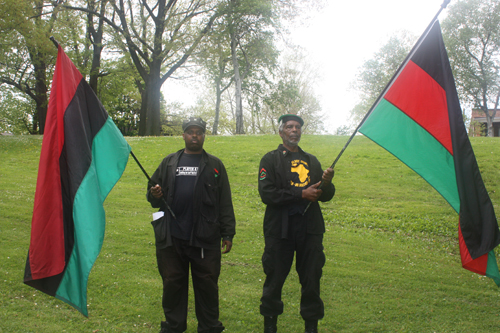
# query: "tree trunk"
97,43
489,124
143,113
489,120
41,95
237,86
153,123
149,123
218,93
40,68
96,65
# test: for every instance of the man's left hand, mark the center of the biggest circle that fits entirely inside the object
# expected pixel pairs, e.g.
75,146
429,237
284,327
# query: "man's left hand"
328,175
226,246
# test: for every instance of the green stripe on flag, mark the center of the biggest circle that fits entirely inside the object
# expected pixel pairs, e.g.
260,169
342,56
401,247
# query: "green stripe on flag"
110,154
492,268
401,136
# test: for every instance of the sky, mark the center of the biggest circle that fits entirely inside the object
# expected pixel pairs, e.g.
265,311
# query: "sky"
348,33
338,40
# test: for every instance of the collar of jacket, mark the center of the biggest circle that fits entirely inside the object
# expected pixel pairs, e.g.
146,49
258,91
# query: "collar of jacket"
284,151
172,166
177,156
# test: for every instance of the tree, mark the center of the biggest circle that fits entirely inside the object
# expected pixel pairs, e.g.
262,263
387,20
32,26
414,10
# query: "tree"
244,52
119,95
27,52
215,59
95,32
343,130
376,72
472,37
159,40
293,92
249,27
15,111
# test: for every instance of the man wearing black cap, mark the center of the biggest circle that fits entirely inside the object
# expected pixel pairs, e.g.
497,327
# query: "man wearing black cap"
195,186
289,179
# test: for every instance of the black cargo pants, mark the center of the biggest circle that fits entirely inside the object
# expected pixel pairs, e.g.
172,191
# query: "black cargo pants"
173,264
277,261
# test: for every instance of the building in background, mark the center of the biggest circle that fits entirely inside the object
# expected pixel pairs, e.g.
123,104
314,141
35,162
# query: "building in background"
478,124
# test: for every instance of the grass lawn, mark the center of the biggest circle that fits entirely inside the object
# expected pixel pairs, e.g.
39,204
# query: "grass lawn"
392,255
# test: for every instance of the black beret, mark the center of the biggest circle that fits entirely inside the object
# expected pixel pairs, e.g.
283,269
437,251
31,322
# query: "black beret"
286,117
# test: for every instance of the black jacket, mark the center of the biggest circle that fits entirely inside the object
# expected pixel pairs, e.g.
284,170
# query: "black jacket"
278,194
214,219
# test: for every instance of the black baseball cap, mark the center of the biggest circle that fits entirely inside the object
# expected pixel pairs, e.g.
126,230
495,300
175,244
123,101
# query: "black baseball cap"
194,121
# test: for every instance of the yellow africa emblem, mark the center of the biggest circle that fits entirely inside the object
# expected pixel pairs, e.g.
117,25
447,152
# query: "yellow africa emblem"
302,170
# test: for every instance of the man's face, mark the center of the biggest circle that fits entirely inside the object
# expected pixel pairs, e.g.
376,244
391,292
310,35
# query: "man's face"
291,133
194,138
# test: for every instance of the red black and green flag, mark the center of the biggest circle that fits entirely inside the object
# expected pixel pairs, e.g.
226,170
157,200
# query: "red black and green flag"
83,156
419,120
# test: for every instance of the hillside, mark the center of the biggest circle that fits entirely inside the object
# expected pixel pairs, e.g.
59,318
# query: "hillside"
392,257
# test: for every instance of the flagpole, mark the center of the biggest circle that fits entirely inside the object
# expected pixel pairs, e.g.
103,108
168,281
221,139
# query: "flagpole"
131,153
54,41
391,81
149,178
386,88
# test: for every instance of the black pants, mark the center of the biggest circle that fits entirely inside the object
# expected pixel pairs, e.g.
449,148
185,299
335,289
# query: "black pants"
173,264
277,261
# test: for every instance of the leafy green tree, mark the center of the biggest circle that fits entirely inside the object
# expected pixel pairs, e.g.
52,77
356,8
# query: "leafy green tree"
244,39
119,95
158,39
244,52
27,53
376,72
15,111
293,92
472,37
343,130
215,60
172,116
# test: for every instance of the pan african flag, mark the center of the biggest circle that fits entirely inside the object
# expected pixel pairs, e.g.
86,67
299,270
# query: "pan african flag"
419,120
83,156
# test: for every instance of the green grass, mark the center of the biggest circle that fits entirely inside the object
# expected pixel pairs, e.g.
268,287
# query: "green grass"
392,258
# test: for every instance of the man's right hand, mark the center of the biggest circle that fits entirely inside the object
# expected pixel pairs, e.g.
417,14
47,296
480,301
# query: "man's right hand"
312,193
156,191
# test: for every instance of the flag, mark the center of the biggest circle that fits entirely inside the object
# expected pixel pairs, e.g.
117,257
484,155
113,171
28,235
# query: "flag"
419,120
83,156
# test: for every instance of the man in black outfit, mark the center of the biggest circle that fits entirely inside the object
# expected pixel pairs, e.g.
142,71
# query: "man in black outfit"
201,224
289,179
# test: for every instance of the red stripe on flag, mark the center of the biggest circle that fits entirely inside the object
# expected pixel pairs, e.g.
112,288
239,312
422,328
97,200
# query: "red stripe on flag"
477,265
420,97
65,72
46,255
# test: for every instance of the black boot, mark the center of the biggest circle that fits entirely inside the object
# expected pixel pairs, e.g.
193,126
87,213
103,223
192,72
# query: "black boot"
217,329
311,326
165,328
270,324
213,330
